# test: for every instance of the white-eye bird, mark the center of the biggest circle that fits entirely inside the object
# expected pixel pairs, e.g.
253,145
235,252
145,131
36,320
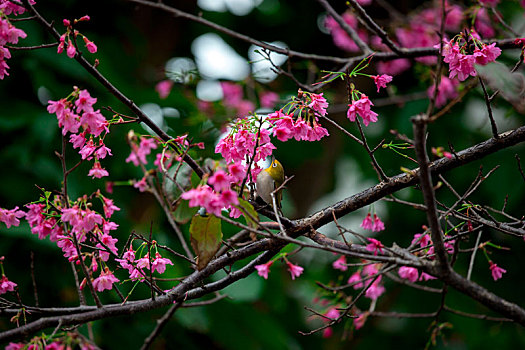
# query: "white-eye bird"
268,181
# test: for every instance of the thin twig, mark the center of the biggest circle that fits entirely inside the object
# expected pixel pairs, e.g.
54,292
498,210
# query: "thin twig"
473,256
489,110
161,322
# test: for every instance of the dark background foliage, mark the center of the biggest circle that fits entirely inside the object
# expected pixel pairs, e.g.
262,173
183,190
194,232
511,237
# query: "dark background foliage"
134,42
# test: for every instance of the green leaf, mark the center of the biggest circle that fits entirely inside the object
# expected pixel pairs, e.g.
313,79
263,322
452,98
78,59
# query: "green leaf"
206,238
184,213
249,213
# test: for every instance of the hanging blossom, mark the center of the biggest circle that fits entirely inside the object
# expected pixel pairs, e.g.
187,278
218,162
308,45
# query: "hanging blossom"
264,269
9,34
295,270
381,80
71,35
301,119
496,271
374,246
374,224
361,107
105,280
409,273
461,59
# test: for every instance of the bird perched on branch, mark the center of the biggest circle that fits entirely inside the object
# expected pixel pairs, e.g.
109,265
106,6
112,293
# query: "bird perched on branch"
268,181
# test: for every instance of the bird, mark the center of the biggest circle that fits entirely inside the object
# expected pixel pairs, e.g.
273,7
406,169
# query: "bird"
268,180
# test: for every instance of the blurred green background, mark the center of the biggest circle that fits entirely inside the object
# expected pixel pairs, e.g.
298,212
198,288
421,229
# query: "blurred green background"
134,43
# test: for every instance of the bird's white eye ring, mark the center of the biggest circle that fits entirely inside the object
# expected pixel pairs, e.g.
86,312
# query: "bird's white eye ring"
274,164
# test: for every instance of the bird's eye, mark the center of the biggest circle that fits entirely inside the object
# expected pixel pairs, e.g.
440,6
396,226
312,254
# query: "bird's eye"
274,165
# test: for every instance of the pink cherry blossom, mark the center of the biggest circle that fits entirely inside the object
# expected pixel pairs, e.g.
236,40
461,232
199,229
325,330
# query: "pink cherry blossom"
35,216
105,281
163,88
295,270
109,207
93,122
381,80
90,219
360,320
340,264
268,99
220,180
378,224
142,184
102,151
264,269
367,223
87,150
85,102
58,107
232,93
409,273
109,242
92,48
237,172
356,278
10,217
425,277
78,140
71,50
11,8
97,171
375,290
496,271
318,103
330,315
374,246
424,239
159,263
6,285
15,346
70,122
361,107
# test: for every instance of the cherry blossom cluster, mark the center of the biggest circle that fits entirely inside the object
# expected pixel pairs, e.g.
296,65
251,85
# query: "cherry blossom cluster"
72,224
9,34
305,126
217,194
142,146
87,127
239,145
460,56
71,49
135,265
421,31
